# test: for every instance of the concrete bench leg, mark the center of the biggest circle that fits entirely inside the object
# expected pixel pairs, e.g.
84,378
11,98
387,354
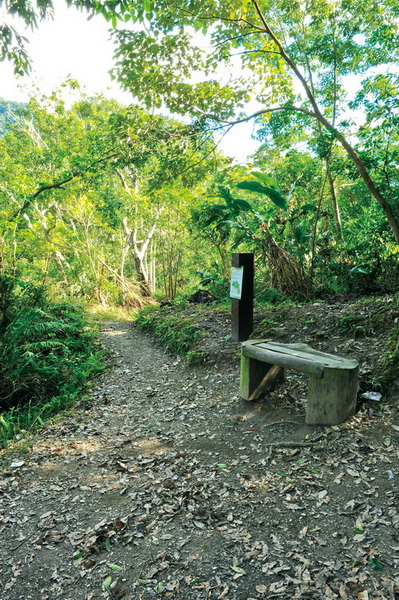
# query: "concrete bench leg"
252,373
332,398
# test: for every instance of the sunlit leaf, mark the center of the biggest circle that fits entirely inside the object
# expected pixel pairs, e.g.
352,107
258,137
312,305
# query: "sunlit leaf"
106,583
78,555
273,194
114,567
238,570
266,179
358,530
159,587
312,470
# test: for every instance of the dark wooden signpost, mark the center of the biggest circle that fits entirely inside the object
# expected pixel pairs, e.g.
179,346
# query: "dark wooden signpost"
242,295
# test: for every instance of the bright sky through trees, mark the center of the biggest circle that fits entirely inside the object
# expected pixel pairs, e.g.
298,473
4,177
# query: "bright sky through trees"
71,45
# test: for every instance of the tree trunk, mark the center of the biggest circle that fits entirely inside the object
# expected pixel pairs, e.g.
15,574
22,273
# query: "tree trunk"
285,272
142,276
334,198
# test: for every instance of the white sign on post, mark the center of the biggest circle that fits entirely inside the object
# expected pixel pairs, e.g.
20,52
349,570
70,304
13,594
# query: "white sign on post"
236,282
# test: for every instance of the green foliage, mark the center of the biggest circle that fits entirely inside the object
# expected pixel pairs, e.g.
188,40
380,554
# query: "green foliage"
211,220
196,357
365,262
269,328
366,317
233,206
176,334
269,295
86,177
215,282
390,358
295,61
48,355
268,188
355,325
88,193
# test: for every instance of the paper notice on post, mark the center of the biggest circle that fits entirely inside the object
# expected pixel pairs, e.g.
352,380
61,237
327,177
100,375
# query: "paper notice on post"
236,282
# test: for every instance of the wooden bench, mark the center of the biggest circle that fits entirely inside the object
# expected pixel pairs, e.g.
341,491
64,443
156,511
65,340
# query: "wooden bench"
333,381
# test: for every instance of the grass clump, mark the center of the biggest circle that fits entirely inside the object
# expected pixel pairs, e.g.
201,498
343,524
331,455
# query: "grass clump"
365,317
100,314
176,334
269,327
390,358
356,325
48,355
270,296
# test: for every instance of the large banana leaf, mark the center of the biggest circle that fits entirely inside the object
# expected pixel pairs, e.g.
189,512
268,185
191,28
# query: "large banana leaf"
270,192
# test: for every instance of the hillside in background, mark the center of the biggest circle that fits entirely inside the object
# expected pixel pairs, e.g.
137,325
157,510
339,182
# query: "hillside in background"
8,110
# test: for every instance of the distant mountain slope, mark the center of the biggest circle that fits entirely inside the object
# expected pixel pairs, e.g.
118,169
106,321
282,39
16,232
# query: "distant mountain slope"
8,111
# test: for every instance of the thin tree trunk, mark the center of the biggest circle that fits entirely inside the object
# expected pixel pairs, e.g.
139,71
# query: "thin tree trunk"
140,248
313,252
334,198
153,268
142,276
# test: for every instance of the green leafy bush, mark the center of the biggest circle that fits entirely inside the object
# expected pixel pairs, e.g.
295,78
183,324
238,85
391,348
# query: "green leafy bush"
48,354
176,334
215,282
269,295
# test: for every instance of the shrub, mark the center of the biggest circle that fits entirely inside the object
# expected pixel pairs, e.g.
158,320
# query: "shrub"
48,354
269,295
176,334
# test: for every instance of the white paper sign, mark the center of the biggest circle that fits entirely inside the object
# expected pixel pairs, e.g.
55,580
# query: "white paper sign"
236,282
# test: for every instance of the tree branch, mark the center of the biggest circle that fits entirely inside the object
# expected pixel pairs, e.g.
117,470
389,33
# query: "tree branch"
252,52
232,39
259,113
289,62
58,185
226,19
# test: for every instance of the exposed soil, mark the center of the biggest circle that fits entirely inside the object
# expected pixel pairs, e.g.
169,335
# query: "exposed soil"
167,485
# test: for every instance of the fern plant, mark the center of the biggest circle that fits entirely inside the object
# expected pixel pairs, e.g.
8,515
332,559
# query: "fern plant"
47,356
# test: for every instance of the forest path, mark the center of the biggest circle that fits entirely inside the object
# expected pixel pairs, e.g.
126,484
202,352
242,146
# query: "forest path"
165,486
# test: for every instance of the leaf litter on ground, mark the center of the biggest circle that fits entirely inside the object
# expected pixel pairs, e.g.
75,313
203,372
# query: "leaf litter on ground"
159,491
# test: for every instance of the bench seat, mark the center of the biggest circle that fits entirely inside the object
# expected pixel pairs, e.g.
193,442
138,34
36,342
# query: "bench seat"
333,380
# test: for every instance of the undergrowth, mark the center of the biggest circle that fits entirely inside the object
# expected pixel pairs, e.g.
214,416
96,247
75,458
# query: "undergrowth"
48,355
176,334
390,358
97,313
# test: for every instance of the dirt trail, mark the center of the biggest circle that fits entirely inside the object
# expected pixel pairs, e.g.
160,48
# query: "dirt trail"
166,486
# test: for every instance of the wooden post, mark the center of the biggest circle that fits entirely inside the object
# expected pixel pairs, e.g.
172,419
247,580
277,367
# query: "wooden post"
332,398
242,309
256,377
